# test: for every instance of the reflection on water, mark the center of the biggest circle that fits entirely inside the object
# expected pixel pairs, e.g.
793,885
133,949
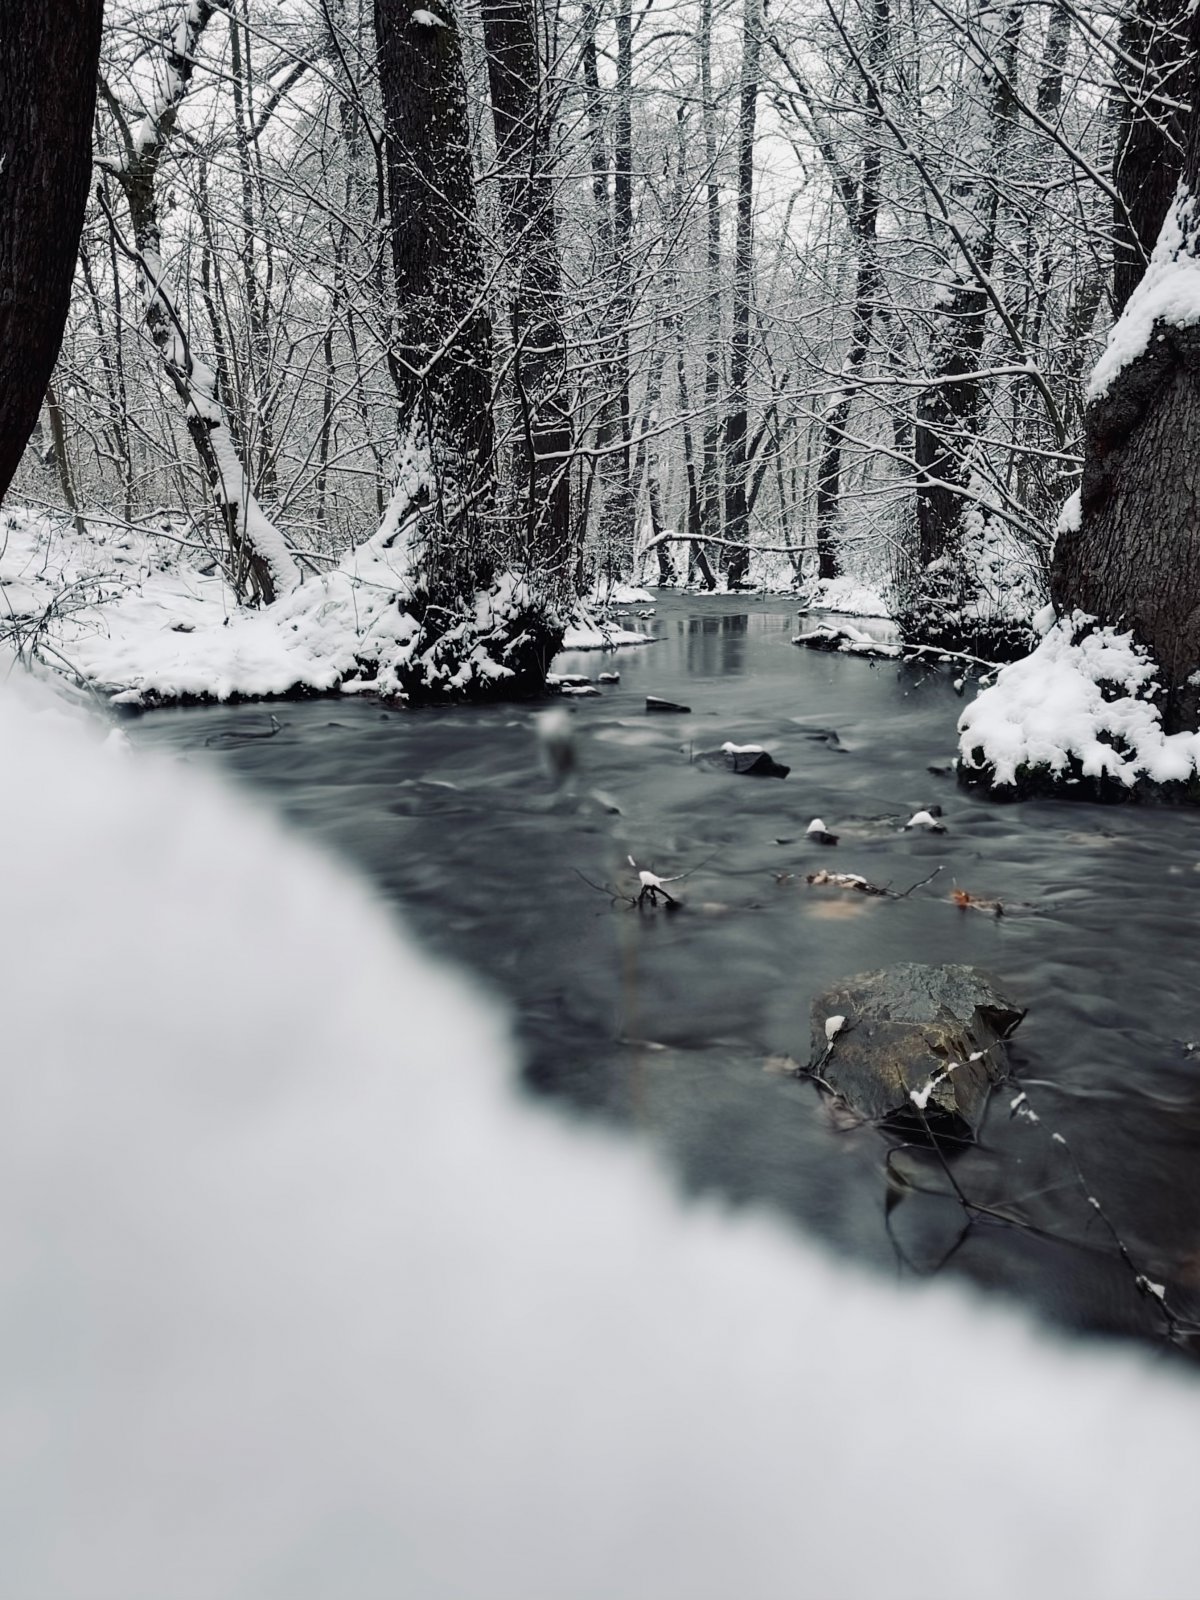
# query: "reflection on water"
678,1024
718,644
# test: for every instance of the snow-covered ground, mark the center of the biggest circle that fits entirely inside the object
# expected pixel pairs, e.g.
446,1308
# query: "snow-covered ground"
1078,706
848,596
147,618
299,1299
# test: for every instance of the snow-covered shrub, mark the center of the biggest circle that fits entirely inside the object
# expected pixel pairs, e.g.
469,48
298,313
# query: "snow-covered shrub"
1079,715
143,616
980,597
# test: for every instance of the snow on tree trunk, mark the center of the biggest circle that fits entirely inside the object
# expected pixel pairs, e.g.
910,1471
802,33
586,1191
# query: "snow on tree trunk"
444,326
48,60
1152,76
262,559
1133,558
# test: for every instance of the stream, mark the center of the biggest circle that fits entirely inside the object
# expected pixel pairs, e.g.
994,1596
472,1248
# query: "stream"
683,1026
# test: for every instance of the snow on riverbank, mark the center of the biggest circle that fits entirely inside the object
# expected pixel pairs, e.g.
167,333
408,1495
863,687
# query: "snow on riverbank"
301,1299
1079,706
147,618
848,596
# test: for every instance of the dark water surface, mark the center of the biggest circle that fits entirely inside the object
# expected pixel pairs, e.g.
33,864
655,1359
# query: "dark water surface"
675,1024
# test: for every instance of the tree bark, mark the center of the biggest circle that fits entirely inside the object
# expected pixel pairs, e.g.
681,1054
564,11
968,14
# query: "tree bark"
737,517
515,79
710,471
1134,560
48,61
1150,133
444,328
867,285
947,412
262,562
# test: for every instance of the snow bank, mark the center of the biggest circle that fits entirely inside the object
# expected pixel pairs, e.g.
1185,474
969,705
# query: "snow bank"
148,618
1169,292
298,1299
588,630
1080,706
612,592
846,595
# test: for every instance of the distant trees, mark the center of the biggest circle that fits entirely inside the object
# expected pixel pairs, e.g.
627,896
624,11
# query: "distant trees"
260,562
48,59
796,291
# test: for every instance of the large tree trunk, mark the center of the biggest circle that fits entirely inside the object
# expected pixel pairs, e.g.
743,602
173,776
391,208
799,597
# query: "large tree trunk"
1151,84
527,200
1134,560
737,516
445,330
48,61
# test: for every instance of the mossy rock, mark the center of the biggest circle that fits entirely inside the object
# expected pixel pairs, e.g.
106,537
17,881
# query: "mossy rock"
932,1030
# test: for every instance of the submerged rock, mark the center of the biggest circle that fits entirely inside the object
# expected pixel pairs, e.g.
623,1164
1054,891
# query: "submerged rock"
751,760
653,703
918,1044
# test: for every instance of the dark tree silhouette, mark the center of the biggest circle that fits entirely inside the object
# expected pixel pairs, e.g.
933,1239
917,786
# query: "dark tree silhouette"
48,60
444,323
521,122
1151,85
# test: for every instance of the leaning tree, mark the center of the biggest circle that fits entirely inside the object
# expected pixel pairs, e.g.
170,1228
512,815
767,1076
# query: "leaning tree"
1133,559
48,61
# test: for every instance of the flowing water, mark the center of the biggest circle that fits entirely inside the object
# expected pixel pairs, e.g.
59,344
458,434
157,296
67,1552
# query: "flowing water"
682,1025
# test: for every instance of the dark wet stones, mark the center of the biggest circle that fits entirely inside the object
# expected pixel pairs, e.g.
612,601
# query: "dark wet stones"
750,760
917,1045
653,703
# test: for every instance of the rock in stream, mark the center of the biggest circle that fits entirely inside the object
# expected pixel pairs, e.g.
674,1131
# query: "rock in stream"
934,1031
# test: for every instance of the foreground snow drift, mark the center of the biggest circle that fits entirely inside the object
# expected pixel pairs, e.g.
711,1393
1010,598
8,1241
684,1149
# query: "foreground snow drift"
1079,709
148,619
299,1300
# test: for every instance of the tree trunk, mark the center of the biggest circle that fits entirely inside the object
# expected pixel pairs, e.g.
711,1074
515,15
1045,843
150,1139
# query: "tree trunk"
866,293
445,330
947,412
48,61
262,562
528,213
737,519
1134,560
58,432
1150,133
710,473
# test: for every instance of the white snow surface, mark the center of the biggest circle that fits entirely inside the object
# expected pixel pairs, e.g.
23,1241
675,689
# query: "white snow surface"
1169,292
848,596
299,1299
1049,709
145,618
606,592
